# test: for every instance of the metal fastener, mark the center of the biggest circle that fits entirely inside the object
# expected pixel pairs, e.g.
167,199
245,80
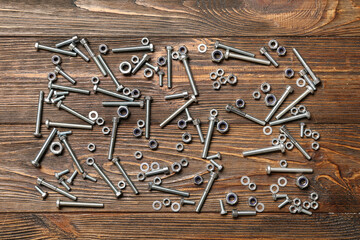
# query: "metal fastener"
112,94
218,166
49,96
70,89
41,153
37,132
58,93
58,175
276,148
184,95
73,47
60,204
289,119
288,90
285,131
119,87
246,58
115,122
58,70
212,121
197,123
213,176
60,105
144,59
155,68
49,124
152,186
148,100
164,170
161,78
302,126
236,213
215,156
87,176
169,66
222,207
58,99
303,74
186,202
127,104
230,108
67,42
287,200
116,161
63,183
56,50
270,170
70,180
308,69
278,196
264,52
43,193
149,47
85,43
223,46
63,139
184,60
42,182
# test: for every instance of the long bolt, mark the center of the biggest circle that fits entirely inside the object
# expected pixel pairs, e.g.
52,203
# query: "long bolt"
62,182
111,74
177,95
169,66
302,126
58,99
84,42
178,111
42,182
276,148
49,124
60,105
141,63
197,123
288,90
186,202
69,89
223,46
215,156
230,108
264,52
112,94
236,213
218,166
245,58
303,73
127,104
291,118
152,186
285,131
58,94
60,204
43,193
184,59
116,161
39,156
49,96
58,175
161,78
73,47
222,207
296,101
63,139
270,170
308,69
115,121
287,200
213,176
70,180
37,132
149,47
148,100
67,42
212,121
164,170
56,50
278,196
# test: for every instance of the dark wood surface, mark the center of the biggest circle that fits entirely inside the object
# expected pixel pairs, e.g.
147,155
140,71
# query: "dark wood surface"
326,33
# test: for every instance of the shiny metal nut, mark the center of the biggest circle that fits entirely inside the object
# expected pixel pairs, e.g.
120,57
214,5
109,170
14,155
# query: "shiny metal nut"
289,73
270,100
103,49
273,44
256,95
281,51
222,126
216,85
217,56
265,87
176,167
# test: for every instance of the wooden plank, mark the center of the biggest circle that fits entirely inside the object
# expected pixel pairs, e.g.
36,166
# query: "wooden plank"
179,18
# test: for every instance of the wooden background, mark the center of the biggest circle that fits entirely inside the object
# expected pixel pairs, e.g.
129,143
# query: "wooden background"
326,33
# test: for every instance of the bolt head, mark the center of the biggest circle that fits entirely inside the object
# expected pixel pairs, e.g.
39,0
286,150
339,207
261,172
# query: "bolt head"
150,186
289,89
169,48
141,103
75,38
58,104
228,108
182,201
95,88
83,41
282,147
302,124
214,175
38,135
146,57
57,69
161,73
218,155
302,72
148,98
60,180
58,203
151,47
37,46
118,194
310,89
39,180
262,50
192,97
119,88
235,213
57,176
227,54
115,120
196,121
50,85
183,57
47,123
72,46
44,195
115,160
216,44
307,114
268,170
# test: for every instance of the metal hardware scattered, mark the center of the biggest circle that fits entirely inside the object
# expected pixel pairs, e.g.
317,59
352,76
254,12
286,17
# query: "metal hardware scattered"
230,108
169,66
116,161
85,43
273,44
115,122
245,58
228,48
285,131
43,193
276,148
235,213
148,100
212,122
55,50
37,132
63,139
270,170
41,153
119,87
149,47
73,47
152,186
264,52
213,177
67,42
42,182
60,204
60,105
112,94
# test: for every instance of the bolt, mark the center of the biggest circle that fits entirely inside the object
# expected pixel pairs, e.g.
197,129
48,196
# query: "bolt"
302,126
67,42
184,95
220,45
292,118
296,101
119,87
58,94
58,70
70,180
109,93
70,89
218,166
36,161
287,200
169,66
164,170
161,78
264,52
156,69
43,194
213,176
49,124
152,186
73,47
87,176
285,131
64,133
148,100
116,161
236,213
115,121
49,96
58,175
149,47
62,182
184,60
303,73
197,123
58,99
245,58
308,69
188,115
280,147
63,139
144,59
222,207
85,43
300,209
60,204
270,170
277,196
37,132
216,156
188,202
212,121
178,111
127,104
60,105
230,108
42,182
56,50
288,90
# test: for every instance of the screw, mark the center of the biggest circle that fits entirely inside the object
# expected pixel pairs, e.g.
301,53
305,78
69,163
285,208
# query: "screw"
152,186
37,132
264,52
213,176
161,78
197,123
119,87
296,101
270,170
57,93
164,170
58,175
300,209
212,121
43,194
302,126
308,69
184,95
277,196
288,90
70,89
62,182
307,79
73,47
292,118
148,100
85,43
60,204
216,156
49,96
87,176
285,131
222,207
218,166
109,93
115,121
280,147
169,66
144,59
156,69
220,45
127,104
236,213
287,200
184,60
188,202
63,139
230,108
67,42
188,115
56,50
245,58
149,47
70,180
42,182
60,105
116,161
178,111
64,133
36,161
58,99
49,124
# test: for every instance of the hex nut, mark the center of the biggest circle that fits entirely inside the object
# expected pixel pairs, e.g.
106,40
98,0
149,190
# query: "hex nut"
245,180
176,167
91,147
214,112
166,202
145,41
220,72
216,85
175,55
281,51
182,124
148,73
137,132
135,59
232,79
294,111
293,209
138,155
283,163
157,205
306,205
314,205
289,73
186,137
179,147
315,135
125,68
300,82
123,112
302,109
252,186
105,130
275,141
153,144
308,132
126,91
315,146
302,182
252,201
210,167
154,166
217,56
93,115
297,202
100,121
213,76
56,148
141,123
240,103
273,44
260,207
157,181
144,167
184,162
141,176
56,59
52,76
135,93
183,49
222,126
270,100
95,80
231,198
289,145
198,180
161,61
103,49
121,185
256,95
222,80
265,87
314,196
282,137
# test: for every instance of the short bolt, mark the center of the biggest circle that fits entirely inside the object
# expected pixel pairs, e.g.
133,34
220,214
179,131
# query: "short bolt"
42,182
43,193
148,100
60,204
215,156
218,166
270,170
149,47
56,50
246,58
119,87
49,124
276,148
67,42
73,47
230,108
64,133
164,170
212,121
169,65
63,139
37,132
188,202
161,78
300,209
87,176
264,52
70,180
70,89
152,186
277,196
58,70
303,74
58,175
308,69
112,94
155,68
58,99
142,62
58,94
285,131
39,156
188,115
49,96
184,60
302,127
222,207
60,105
115,122
85,43
223,46
184,95
213,176
290,119
127,104
287,200
236,213
197,123
116,161
63,182
288,90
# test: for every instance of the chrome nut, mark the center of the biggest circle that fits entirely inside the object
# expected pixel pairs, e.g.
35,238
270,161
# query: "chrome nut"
103,49
148,73
100,121
240,103
105,130
91,147
182,124
216,85
183,49
184,162
289,73
153,144
186,137
222,126
270,100
137,132
126,91
302,109
56,148
145,41
175,55
217,56
176,167
125,68
294,111
220,72
314,196
138,155
256,95
135,93
281,51
232,79
223,80
231,198
273,44
302,182
95,80
213,76
179,147
265,87
308,132
315,146
252,201
123,112
198,180
56,59
315,135
135,59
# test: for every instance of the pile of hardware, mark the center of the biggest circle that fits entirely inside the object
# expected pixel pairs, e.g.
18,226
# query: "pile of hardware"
285,141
